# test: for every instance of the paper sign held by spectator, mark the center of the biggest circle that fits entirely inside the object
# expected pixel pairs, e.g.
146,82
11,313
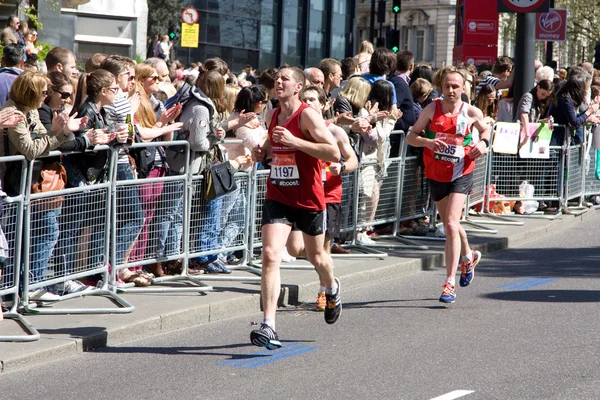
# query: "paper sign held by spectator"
506,138
538,144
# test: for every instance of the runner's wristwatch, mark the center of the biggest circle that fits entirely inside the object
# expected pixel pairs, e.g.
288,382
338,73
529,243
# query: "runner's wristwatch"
343,166
487,142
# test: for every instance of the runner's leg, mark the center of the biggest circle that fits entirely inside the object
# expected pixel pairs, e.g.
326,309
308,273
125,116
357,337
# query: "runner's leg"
450,208
274,237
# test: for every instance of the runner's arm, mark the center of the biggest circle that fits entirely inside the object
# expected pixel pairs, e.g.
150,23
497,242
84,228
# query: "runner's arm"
350,159
414,137
324,146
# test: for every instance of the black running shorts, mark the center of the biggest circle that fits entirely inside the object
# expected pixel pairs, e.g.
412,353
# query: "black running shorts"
310,222
439,190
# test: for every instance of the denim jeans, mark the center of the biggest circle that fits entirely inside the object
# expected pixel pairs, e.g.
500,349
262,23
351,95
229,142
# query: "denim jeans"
233,216
82,225
129,216
43,237
149,195
210,226
169,219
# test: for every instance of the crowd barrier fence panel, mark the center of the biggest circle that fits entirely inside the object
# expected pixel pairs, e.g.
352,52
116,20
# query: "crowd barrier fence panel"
12,227
476,197
65,237
508,171
130,200
591,186
574,179
211,223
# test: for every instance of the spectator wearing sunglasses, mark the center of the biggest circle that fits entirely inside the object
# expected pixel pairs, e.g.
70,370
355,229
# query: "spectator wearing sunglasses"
10,34
12,67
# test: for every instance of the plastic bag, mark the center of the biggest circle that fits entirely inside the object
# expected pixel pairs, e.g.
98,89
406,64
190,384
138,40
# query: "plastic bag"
526,191
598,164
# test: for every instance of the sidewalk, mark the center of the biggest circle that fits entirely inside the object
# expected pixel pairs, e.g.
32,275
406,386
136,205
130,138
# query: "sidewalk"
64,336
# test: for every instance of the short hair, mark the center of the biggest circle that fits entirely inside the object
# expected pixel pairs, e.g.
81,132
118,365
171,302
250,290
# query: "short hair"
420,87
58,55
544,73
321,96
440,75
383,62
13,55
502,64
267,78
327,66
422,71
154,61
10,19
349,65
28,89
297,74
588,66
117,65
403,60
94,62
249,97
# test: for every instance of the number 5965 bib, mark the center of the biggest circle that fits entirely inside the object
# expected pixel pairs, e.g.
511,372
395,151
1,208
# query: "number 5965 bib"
284,170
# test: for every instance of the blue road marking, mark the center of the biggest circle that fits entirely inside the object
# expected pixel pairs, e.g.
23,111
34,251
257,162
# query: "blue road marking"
527,283
265,357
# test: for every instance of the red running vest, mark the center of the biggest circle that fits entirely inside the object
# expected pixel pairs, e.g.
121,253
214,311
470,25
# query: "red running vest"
295,177
453,162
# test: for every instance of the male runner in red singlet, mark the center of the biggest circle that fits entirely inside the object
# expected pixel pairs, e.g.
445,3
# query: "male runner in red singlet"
298,140
449,155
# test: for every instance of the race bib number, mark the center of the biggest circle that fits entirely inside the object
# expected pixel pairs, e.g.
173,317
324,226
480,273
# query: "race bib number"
454,151
284,170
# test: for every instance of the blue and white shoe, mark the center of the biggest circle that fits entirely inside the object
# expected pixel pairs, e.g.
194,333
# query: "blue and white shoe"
467,269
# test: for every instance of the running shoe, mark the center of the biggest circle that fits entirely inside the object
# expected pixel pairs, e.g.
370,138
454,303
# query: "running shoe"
265,336
467,269
449,293
321,301
333,308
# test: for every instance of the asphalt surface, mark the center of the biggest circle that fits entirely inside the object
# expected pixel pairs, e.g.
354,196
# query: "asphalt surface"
526,328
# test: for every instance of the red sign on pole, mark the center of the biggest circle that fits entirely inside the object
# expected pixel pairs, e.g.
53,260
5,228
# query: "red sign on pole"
551,26
523,6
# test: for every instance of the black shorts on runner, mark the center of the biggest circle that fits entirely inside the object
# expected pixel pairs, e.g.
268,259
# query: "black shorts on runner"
439,190
334,220
310,222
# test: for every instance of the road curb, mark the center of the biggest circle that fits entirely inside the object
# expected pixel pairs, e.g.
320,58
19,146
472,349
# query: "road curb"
291,295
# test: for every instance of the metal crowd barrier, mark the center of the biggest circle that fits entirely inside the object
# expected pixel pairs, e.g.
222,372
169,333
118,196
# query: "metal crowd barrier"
12,229
65,237
591,185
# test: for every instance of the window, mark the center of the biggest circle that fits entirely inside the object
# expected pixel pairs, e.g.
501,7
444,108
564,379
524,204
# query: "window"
292,40
405,37
317,32
341,28
431,40
419,44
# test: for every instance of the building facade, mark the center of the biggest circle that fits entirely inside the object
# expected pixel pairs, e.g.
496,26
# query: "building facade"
426,27
270,33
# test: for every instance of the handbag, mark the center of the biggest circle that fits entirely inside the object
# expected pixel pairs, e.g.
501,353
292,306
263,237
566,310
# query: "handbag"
217,176
52,177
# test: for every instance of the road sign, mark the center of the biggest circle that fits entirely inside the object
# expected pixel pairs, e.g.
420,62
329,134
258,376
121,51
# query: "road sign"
190,15
189,35
523,6
551,26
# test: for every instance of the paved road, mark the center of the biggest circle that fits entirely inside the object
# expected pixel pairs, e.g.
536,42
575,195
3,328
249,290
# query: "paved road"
527,328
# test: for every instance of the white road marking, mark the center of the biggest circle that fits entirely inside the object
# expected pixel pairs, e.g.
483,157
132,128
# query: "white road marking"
454,395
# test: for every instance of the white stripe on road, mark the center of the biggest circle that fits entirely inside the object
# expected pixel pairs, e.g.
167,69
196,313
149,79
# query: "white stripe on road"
454,395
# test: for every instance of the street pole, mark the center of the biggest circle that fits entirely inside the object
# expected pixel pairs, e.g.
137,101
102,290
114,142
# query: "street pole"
549,45
372,33
524,56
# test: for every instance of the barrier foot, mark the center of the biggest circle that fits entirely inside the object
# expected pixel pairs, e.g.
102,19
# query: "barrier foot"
200,287
473,226
407,243
31,333
123,307
496,220
575,210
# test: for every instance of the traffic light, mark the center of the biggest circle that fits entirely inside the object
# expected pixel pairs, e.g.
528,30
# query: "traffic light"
396,6
394,39
381,12
172,35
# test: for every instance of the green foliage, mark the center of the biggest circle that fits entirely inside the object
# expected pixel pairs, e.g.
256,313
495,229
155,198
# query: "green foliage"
164,16
31,14
45,49
138,59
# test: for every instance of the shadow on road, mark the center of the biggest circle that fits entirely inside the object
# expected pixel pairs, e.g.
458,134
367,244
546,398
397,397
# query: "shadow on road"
548,296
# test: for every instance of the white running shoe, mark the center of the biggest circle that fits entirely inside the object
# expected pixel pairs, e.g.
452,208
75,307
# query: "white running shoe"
43,295
363,238
74,286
